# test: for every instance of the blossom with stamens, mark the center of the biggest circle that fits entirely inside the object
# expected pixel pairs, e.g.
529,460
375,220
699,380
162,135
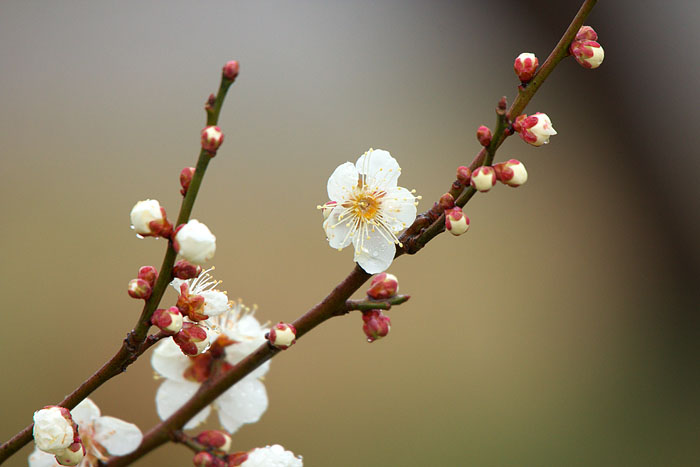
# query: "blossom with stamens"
245,402
213,302
369,209
101,436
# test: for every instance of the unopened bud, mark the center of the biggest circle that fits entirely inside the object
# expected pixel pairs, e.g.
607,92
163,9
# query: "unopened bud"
586,33
212,137
455,221
535,129
185,270
230,70
512,173
139,288
447,201
282,335
53,429
483,134
377,324
169,321
204,459
589,54
464,175
185,179
383,286
192,339
72,455
483,178
148,218
195,242
525,66
216,439
149,274
211,102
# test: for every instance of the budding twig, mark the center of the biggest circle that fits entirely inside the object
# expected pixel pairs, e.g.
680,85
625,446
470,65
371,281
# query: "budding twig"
363,305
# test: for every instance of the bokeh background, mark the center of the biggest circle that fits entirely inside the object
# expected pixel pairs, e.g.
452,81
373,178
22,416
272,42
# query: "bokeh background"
562,330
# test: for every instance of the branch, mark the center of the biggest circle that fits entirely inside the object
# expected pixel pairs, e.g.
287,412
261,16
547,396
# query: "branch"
364,305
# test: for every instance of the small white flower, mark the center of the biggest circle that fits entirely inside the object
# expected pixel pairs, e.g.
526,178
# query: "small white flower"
195,242
216,302
368,209
243,403
143,213
102,436
272,456
52,431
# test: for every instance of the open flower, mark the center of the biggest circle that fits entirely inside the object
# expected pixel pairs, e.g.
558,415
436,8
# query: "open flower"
102,436
368,209
243,403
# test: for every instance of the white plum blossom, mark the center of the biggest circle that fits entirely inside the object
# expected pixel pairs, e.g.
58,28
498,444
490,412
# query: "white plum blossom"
243,403
143,213
52,431
216,302
195,242
272,456
102,436
369,210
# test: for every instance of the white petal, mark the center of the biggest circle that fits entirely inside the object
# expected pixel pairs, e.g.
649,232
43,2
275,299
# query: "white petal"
172,395
338,230
238,351
342,181
176,283
215,302
84,413
118,436
376,253
244,403
399,208
40,458
169,361
249,326
381,169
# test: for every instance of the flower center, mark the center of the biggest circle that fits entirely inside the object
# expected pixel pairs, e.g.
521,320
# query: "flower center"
365,205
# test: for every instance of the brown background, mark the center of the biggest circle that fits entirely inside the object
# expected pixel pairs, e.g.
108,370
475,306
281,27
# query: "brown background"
562,330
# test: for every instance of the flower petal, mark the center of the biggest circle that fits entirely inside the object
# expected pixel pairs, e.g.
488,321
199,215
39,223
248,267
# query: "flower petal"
381,169
215,302
374,253
84,413
342,182
117,436
169,361
399,208
172,395
244,403
241,349
339,230
40,458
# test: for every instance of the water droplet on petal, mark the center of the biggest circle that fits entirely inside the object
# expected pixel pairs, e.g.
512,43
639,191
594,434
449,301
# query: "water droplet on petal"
140,236
375,254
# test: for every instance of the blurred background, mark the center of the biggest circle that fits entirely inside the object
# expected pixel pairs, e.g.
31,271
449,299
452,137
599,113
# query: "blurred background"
561,330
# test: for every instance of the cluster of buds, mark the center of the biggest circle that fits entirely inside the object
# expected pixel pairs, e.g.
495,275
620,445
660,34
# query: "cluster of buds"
55,432
142,286
192,339
535,129
212,137
185,179
194,242
282,336
525,66
384,286
148,219
585,48
511,173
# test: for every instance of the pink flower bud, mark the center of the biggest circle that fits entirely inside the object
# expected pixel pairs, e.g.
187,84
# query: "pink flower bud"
216,439
464,175
139,288
512,173
586,33
525,66
230,70
535,129
483,178
194,242
455,221
72,455
212,137
483,134
377,325
185,270
169,321
192,339
447,201
282,336
205,459
589,54
185,179
149,274
383,286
